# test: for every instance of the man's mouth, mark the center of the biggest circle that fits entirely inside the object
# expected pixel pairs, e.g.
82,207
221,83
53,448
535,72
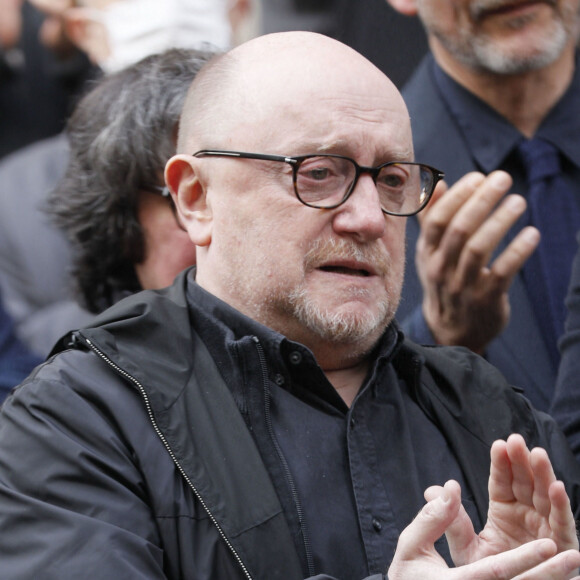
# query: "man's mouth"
345,258
345,270
497,8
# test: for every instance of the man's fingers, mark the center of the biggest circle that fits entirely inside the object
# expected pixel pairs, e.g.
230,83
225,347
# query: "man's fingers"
460,534
561,518
515,563
473,213
523,476
543,478
435,221
535,560
511,260
560,567
430,523
480,246
500,475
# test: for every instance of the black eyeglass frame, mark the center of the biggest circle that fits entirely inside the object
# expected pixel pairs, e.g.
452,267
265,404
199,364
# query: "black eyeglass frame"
296,161
166,194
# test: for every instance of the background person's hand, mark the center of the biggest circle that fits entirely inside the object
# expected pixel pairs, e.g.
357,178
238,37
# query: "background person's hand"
74,25
10,23
465,297
52,32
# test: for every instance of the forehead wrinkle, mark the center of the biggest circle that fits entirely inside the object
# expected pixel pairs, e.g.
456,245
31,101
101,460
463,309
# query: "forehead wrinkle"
330,112
351,146
396,145
343,129
366,108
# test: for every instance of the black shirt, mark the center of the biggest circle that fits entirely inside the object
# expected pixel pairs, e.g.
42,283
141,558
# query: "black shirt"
350,480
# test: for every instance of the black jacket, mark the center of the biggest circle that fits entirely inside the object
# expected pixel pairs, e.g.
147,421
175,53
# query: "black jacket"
125,455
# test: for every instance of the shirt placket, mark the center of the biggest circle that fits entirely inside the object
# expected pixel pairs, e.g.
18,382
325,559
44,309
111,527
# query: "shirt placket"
376,517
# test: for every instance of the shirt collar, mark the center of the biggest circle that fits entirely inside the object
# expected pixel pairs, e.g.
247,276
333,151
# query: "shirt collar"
491,138
227,319
562,124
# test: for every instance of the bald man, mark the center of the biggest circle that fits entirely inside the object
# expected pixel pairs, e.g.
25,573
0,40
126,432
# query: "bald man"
264,417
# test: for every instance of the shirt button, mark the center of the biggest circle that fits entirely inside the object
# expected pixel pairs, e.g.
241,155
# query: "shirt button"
295,358
279,379
377,525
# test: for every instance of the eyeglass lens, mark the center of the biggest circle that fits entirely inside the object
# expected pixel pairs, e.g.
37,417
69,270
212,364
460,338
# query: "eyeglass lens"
325,181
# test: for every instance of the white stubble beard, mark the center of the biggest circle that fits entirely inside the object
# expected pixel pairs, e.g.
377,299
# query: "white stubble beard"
479,51
344,327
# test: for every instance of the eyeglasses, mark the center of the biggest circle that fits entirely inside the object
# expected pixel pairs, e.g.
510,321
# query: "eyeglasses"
164,192
326,181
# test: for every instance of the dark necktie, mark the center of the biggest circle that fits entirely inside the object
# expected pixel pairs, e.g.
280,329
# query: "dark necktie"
555,211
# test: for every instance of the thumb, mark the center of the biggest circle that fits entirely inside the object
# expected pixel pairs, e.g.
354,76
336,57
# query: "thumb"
431,522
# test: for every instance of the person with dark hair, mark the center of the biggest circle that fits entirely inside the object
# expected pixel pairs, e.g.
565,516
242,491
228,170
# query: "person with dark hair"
263,417
111,202
34,255
118,219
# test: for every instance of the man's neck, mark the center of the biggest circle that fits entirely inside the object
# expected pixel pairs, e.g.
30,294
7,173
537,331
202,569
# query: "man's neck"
348,381
523,99
345,365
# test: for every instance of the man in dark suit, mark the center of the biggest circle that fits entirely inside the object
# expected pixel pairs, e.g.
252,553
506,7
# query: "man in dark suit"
565,408
499,80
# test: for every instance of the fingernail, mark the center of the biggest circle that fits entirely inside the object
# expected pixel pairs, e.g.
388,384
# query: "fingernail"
531,236
500,179
515,203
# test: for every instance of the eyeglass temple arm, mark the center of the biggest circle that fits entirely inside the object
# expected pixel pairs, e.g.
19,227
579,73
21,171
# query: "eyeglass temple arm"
242,154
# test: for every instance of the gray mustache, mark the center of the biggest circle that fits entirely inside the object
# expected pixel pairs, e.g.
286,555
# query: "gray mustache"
324,251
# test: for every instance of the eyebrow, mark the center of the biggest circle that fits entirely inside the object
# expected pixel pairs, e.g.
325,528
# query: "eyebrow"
343,147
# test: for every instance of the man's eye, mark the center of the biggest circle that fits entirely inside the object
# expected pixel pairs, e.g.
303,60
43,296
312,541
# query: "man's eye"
318,173
393,178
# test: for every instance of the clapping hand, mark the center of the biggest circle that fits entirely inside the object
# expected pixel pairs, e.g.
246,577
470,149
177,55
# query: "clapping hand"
465,294
529,535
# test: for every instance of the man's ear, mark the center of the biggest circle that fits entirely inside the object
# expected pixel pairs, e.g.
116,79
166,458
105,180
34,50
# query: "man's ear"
189,195
406,7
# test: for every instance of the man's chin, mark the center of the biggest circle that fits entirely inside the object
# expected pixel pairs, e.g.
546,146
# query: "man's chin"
347,324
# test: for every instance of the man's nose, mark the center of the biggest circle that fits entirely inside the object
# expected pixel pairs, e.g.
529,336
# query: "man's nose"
361,215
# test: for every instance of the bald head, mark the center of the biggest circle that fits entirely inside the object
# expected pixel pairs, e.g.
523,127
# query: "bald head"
290,102
250,88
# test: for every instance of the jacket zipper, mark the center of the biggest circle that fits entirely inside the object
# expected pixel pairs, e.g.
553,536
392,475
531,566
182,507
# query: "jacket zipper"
288,475
125,374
